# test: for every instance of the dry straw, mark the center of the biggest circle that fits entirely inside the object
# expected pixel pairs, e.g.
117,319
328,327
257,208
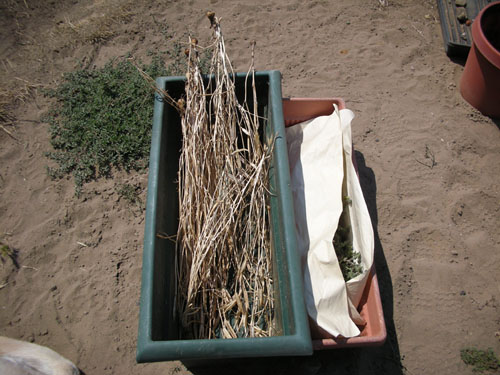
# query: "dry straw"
224,265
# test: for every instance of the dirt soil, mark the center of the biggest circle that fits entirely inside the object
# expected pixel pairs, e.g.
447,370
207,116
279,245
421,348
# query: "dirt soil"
429,166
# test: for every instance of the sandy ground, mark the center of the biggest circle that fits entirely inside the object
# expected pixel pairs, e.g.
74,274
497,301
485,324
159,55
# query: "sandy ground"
438,237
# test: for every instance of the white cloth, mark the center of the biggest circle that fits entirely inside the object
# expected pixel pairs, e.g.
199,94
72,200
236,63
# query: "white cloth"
317,150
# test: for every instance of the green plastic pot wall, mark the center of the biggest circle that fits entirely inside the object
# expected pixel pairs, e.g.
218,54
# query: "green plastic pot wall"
158,336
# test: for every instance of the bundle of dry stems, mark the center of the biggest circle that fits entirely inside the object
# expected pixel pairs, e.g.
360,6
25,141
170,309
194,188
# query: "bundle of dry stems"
224,265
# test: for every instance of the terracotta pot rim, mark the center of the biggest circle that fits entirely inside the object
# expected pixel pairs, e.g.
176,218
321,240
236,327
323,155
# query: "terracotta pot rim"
481,42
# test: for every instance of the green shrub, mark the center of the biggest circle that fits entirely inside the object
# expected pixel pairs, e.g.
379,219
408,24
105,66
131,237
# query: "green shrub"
102,119
482,360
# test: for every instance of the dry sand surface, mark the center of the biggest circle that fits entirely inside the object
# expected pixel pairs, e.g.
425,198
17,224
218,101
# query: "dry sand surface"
438,236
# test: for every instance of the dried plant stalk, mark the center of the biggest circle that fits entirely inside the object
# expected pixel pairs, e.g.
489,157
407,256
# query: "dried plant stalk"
224,264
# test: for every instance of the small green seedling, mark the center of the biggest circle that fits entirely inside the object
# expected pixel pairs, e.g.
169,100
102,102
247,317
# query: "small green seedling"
482,360
130,193
7,252
349,260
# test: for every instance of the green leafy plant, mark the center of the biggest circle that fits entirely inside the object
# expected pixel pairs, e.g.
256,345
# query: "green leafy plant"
7,252
102,119
482,360
349,261
130,193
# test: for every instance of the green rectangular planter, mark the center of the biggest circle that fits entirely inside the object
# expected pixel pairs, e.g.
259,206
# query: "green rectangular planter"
158,330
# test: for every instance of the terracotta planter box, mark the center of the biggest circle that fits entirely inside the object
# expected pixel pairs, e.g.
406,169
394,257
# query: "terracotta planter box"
374,333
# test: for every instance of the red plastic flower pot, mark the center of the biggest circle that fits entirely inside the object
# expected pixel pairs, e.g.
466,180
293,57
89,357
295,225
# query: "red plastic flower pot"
480,82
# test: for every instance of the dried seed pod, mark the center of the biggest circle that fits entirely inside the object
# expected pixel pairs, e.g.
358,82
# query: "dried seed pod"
186,52
211,17
194,41
181,104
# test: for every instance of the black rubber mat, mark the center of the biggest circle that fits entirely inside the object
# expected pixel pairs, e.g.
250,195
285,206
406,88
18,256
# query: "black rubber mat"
457,34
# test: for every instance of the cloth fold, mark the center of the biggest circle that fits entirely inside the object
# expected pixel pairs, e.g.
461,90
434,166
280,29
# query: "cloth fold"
320,155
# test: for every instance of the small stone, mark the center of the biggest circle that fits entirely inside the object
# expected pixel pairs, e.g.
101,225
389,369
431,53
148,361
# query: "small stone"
53,289
462,15
454,253
460,3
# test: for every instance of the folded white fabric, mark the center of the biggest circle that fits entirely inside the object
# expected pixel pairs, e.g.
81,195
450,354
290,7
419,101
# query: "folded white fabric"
320,156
